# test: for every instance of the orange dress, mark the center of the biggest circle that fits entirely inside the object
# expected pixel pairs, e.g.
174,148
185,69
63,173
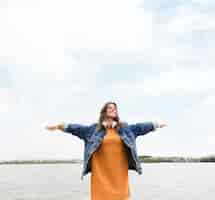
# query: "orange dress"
109,177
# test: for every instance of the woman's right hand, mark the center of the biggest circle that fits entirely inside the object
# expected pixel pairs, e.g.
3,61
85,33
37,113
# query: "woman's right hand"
55,127
52,128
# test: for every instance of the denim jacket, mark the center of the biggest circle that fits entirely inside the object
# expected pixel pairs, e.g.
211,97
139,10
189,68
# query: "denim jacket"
93,139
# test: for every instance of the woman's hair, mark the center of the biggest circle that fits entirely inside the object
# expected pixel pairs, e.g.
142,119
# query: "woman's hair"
103,116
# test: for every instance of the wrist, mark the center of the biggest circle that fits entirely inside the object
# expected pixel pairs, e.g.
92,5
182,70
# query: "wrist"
60,126
156,124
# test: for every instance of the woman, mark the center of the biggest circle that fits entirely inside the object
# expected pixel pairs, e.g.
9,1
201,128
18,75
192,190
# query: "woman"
109,152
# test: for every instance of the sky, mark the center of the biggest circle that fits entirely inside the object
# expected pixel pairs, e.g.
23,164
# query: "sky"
60,61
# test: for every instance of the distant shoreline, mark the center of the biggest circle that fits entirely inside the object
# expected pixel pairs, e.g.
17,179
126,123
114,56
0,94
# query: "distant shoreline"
153,159
145,159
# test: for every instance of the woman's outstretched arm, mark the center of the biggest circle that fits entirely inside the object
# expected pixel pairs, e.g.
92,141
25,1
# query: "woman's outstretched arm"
78,130
142,128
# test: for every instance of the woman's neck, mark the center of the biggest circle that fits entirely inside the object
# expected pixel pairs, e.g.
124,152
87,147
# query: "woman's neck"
109,122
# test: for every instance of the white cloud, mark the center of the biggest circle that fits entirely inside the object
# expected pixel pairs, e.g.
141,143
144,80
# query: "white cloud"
43,32
7,101
188,20
178,81
58,54
201,116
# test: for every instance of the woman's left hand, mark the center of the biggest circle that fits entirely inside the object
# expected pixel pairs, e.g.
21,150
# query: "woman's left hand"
162,125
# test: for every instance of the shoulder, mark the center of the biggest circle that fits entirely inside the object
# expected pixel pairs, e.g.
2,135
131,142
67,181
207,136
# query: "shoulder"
93,125
123,124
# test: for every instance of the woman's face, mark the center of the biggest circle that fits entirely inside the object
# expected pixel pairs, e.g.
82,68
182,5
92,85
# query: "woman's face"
111,111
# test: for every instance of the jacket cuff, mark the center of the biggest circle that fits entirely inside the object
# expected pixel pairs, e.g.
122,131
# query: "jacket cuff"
155,125
65,126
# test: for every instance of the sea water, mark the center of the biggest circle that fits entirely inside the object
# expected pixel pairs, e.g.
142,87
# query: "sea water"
159,181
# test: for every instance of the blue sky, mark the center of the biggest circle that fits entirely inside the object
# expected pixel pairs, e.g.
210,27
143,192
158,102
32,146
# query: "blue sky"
63,61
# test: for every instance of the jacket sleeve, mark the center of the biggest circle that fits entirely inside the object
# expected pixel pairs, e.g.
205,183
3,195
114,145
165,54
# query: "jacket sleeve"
142,128
75,129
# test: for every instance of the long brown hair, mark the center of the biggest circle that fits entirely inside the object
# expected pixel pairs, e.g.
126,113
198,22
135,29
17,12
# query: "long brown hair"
103,116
